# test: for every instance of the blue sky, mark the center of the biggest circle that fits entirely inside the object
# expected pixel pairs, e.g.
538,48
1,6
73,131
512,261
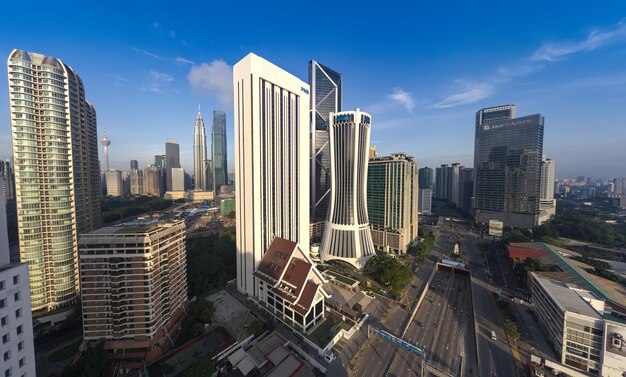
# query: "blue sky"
422,69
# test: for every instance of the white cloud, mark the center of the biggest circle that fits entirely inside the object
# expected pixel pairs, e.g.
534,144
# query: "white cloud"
548,53
159,83
172,34
472,92
403,98
183,60
213,79
147,53
596,38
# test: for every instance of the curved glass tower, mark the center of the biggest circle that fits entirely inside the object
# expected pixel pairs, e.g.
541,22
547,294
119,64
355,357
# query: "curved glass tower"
55,147
347,234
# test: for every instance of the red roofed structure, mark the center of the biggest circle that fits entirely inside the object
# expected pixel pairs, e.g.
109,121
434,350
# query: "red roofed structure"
289,286
517,253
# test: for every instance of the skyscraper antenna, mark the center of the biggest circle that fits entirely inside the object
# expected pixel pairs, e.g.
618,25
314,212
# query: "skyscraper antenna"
198,107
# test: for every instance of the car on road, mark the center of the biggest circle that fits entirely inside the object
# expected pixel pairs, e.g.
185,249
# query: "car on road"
329,356
435,324
493,335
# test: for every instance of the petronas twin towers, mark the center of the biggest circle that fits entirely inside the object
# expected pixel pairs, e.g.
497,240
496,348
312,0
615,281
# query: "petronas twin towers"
212,173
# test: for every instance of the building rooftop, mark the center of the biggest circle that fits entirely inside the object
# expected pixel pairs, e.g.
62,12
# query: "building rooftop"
518,252
135,227
565,269
568,298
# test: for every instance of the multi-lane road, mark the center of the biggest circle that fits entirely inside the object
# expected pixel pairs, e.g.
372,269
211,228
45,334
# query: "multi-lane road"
494,356
444,325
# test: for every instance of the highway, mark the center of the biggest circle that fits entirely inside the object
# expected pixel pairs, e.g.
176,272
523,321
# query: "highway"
442,327
495,358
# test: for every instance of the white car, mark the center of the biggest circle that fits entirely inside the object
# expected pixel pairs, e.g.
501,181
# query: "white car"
329,356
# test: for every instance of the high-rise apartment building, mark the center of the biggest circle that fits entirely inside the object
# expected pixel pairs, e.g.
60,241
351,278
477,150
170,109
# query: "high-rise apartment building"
177,176
426,178
219,163
347,235
16,323
453,186
392,201
115,184
134,287
6,172
57,173
507,166
172,161
199,155
425,201
271,162
443,177
152,181
466,189
136,181
326,88
547,202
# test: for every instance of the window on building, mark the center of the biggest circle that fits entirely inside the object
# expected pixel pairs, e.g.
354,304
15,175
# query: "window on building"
8,372
7,355
3,303
16,279
22,362
2,285
18,313
3,321
5,338
20,345
20,329
17,296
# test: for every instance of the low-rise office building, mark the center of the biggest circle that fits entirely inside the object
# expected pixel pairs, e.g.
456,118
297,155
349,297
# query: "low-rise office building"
584,335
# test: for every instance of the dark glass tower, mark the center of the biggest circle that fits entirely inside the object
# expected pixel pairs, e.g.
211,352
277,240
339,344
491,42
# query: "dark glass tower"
507,166
426,178
218,148
172,160
326,86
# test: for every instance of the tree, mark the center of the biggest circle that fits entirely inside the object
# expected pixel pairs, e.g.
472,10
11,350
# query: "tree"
533,264
202,311
512,331
92,363
202,367
389,271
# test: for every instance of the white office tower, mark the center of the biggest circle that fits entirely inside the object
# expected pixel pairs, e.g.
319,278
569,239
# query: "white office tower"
16,322
271,110
178,179
347,234
547,203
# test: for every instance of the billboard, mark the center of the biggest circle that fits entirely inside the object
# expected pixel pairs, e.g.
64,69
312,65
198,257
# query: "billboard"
614,360
495,228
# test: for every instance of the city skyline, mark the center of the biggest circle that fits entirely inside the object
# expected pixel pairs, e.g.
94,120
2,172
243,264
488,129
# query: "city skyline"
154,70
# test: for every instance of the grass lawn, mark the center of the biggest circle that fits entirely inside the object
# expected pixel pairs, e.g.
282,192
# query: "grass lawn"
65,353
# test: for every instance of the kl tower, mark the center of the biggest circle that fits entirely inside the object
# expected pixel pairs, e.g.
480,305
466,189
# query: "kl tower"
105,143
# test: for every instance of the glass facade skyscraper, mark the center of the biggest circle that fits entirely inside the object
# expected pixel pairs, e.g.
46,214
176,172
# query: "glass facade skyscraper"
507,166
426,178
326,86
172,161
57,173
218,148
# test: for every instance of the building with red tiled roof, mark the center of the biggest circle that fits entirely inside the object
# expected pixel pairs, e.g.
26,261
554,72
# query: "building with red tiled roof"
289,286
517,253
